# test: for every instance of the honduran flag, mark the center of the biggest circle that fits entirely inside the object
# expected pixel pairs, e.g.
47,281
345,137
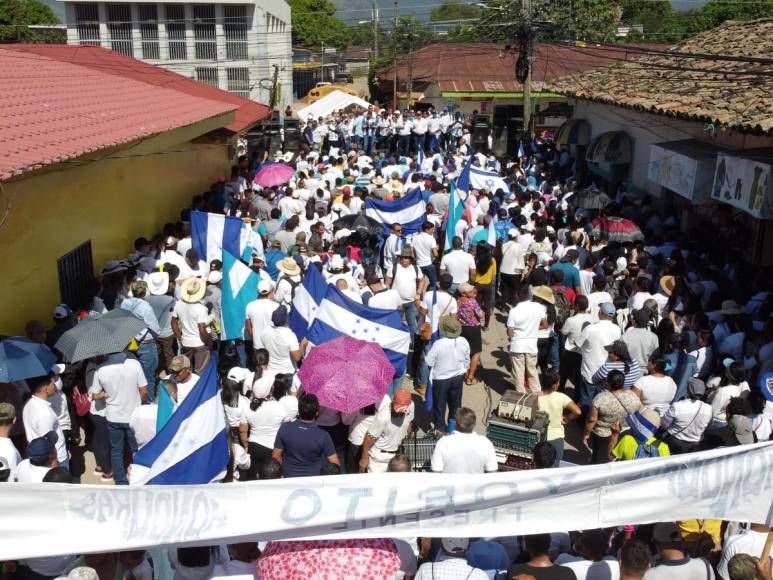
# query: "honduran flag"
192,447
410,211
216,236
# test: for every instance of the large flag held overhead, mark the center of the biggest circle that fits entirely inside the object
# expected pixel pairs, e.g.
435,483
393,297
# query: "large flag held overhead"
308,296
217,236
192,447
409,211
339,315
488,180
455,213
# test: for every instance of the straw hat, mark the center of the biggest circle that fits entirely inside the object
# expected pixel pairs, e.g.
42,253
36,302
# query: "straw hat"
544,293
289,267
192,290
378,180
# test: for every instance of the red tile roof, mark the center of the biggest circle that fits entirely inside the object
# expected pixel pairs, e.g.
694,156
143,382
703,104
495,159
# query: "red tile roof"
737,94
488,67
60,102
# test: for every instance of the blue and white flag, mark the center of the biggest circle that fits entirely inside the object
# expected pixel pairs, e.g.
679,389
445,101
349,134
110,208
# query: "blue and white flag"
217,236
491,233
482,179
463,181
308,297
339,315
192,447
455,213
410,211
521,151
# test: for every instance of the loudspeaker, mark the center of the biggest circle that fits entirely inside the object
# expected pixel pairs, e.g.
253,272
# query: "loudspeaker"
480,132
292,135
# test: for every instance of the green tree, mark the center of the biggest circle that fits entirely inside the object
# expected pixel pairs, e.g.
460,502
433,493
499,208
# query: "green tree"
16,15
454,10
314,22
587,20
652,14
715,12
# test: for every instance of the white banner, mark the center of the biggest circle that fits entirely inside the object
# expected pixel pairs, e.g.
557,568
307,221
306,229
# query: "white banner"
672,170
52,519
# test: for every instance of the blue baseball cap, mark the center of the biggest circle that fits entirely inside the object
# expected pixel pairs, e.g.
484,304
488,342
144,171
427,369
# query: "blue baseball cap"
39,450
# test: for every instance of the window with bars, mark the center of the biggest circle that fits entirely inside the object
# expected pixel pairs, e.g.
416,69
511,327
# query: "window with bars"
207,74
239,81
148,17
204,31
87,24
119,27
235,27
175,31
76,272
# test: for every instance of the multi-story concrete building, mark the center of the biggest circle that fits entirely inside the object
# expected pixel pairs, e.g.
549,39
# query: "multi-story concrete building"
234,45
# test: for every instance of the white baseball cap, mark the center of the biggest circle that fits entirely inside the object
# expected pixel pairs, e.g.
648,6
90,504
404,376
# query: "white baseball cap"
264,287
455,545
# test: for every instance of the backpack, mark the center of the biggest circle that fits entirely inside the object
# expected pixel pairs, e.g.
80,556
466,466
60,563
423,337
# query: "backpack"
394,271
645,450
293,285
563,307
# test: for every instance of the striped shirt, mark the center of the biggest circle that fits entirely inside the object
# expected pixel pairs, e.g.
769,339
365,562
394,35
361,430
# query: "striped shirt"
633,374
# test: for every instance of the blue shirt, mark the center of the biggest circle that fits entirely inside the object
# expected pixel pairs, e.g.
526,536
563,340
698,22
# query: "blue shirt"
305,448
143,311
273,257
487,556
571,274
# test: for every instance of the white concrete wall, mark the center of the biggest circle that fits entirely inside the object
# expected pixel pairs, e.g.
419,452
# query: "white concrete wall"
647,129
268,43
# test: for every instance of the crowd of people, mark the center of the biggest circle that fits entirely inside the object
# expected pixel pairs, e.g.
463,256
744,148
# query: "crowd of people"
650,346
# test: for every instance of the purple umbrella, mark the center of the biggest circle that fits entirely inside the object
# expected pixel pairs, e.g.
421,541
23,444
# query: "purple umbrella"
347,374
272,174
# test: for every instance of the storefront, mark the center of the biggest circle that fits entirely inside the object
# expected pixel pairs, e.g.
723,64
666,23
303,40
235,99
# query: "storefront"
609,156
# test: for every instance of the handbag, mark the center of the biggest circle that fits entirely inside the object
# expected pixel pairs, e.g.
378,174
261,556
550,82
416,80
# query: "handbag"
426,327
81,401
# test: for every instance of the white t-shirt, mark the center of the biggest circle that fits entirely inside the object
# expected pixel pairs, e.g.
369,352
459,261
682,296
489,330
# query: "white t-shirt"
390,431
406,280
592,342
184,389
266,420
512,258
280,342
572,330
524,318
387,299
359,423
39,419
423,245
28,473
458,263
120,377
11,455
595,299
234,414
606,569
143,423
656,392
189,316
259,312
750,542
722,397
237,569
445,306
464,453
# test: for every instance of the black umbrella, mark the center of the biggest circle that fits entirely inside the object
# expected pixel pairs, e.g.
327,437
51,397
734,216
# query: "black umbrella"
359,221
591,199
99,334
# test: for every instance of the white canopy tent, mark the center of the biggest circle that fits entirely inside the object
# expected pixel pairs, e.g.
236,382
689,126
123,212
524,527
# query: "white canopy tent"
334,101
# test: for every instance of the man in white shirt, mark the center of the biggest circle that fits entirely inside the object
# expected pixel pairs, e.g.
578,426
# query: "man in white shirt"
7,448
592,563
284,351
459,264
571,359
189,323
41,457
408,280
751,542
393,246
39,417
119,380
379,296
524,322
642,287
448,358
182,376
592,342
425,249
598,297
464,451
259,313
511,267
685,421
386,433
451,563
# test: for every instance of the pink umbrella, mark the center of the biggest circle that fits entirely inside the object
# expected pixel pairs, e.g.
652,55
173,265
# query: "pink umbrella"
617,229
347,374
272,174
320,559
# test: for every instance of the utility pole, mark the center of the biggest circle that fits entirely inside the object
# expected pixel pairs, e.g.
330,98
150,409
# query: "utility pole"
322,63
410,66
275,80
527,47
375,29
394,48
